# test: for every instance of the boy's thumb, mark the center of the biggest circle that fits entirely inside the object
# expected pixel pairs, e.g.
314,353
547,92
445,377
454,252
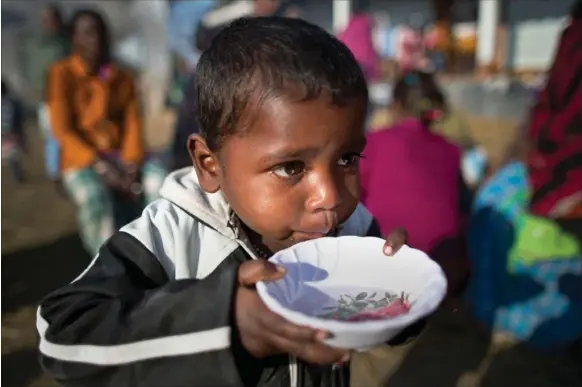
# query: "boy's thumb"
251,272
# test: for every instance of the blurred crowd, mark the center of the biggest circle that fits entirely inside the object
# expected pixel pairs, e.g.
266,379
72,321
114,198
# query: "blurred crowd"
484,223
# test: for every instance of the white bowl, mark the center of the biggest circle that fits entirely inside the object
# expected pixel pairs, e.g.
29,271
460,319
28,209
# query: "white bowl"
322,270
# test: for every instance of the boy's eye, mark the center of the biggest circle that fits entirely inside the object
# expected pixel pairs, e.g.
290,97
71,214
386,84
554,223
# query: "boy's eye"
349,159
290,169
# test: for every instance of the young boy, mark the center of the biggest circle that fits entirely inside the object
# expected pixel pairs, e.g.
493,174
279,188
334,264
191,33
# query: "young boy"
169,300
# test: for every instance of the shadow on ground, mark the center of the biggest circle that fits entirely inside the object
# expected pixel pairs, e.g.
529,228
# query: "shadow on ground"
28,275
455,351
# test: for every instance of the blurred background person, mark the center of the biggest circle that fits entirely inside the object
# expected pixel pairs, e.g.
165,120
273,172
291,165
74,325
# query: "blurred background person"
95,117
525,232
384,35
555,130
358,37
41,51
412,45
184,18
13,138
411,176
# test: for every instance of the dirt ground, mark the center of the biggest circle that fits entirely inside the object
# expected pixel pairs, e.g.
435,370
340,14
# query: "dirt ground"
40,251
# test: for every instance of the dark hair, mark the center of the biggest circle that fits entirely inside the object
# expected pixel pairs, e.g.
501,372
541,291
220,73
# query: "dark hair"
102,30
57,13
418,94
264,57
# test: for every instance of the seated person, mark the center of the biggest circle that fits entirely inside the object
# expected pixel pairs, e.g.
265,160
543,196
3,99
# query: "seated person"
526,225
94,114
410,177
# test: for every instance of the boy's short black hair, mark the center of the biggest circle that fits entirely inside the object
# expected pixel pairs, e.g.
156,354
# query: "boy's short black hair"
263,57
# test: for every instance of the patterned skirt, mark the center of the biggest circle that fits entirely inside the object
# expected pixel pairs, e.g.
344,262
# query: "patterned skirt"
526,270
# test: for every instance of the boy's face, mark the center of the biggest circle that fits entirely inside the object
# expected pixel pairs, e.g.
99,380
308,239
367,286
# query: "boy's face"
293,174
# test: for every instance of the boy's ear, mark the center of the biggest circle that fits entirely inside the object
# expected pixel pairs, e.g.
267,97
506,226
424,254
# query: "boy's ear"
205,162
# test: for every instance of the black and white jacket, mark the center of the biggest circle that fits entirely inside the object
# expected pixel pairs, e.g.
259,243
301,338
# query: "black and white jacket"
154,308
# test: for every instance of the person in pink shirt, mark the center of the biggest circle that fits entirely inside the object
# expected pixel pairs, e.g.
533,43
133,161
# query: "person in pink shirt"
358,38
410,177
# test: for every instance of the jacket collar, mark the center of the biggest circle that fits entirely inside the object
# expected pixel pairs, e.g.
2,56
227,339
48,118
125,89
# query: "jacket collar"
182,188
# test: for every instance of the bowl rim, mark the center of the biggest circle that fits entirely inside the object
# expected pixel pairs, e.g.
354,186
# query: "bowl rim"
399,322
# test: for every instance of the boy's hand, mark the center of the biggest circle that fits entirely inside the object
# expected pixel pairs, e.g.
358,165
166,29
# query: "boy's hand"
395,240
264,333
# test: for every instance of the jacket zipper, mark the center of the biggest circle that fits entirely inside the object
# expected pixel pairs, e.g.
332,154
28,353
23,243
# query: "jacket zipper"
293,374
337,375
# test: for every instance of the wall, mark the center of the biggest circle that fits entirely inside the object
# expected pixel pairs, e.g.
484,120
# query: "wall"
534,28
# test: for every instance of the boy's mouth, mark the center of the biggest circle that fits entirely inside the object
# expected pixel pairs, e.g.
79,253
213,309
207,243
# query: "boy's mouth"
309,235
329,227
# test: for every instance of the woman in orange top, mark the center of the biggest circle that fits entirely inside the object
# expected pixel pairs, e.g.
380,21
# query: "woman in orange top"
94,113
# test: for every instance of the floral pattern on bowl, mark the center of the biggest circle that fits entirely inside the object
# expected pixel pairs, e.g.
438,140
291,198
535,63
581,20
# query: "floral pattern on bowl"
364,306
321,273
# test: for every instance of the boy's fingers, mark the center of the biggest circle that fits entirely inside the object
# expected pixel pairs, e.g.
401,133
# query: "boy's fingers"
303,342
279,326
314,352
251,272
291,337
395,240
319,353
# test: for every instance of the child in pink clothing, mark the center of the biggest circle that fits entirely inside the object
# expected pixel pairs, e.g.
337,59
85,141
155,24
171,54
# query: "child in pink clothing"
410,176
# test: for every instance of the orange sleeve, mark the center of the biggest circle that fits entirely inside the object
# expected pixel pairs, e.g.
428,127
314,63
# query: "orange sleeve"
132,149
61,118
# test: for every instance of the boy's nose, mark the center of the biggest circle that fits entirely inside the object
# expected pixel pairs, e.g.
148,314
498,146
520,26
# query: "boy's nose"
325,194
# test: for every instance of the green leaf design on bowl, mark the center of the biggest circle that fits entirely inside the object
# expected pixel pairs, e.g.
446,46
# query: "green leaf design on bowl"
348,305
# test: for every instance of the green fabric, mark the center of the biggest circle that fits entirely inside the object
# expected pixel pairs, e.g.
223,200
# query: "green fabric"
95,212
541,240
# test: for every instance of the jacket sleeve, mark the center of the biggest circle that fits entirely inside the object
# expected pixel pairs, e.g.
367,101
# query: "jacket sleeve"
61,116
125,322
132,148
